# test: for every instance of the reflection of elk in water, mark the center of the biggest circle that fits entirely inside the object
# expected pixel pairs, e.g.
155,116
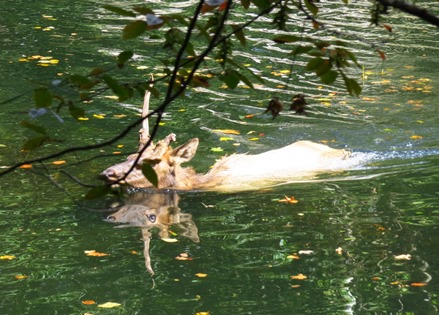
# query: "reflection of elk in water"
298,161
154,210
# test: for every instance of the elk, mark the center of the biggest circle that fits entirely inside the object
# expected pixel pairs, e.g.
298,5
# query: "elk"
302,160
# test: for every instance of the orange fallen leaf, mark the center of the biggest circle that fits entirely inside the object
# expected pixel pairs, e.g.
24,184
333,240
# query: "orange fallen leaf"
60,162
418,284
93,253
288,200
376,278
300,276
228,131
26,166
249,116
88,302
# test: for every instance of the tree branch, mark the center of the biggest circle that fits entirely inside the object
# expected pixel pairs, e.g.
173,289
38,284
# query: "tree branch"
409,8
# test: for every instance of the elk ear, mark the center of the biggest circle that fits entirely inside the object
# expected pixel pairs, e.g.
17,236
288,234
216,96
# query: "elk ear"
185,152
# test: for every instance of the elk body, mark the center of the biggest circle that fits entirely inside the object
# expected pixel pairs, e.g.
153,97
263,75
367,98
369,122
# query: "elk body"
298,161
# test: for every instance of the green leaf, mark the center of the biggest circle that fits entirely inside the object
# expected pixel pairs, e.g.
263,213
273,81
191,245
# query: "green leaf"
122,92
239,33
82,82
282,39
33,127
134,29
124,57
353,87
98,191
150,174
119,11
261,4
311,7
314,64
42,97
34,143
301,50
329,77
244,79
323,68
231,78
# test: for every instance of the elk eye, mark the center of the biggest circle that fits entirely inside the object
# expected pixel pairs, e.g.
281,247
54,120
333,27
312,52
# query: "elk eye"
111,218
152,218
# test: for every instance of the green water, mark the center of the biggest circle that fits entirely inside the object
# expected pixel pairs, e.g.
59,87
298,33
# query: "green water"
249,242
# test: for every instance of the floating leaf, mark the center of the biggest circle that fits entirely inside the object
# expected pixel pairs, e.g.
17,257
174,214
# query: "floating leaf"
288,200
217,149
295,257
94,253
21,277
169,240
403,257
418,284
150,174
299,276
201,275
88,302
306,252
415,137
7,257
59,162
228,131
26,166
109,305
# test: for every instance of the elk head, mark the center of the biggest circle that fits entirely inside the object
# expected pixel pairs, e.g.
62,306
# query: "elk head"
165,161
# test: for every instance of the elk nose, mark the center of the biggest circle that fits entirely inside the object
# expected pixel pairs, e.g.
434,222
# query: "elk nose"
108,173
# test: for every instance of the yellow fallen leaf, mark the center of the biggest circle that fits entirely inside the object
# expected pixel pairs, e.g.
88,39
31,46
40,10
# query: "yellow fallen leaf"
293,257
99,116
201,275
254,139
109,305
403,257
295,286
59,162
7,257
339,250
20,277
300,276
83,118
169,240
415,137
226,139
119,116
202,313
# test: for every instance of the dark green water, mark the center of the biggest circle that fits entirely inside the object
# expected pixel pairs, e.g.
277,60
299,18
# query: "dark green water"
247,240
